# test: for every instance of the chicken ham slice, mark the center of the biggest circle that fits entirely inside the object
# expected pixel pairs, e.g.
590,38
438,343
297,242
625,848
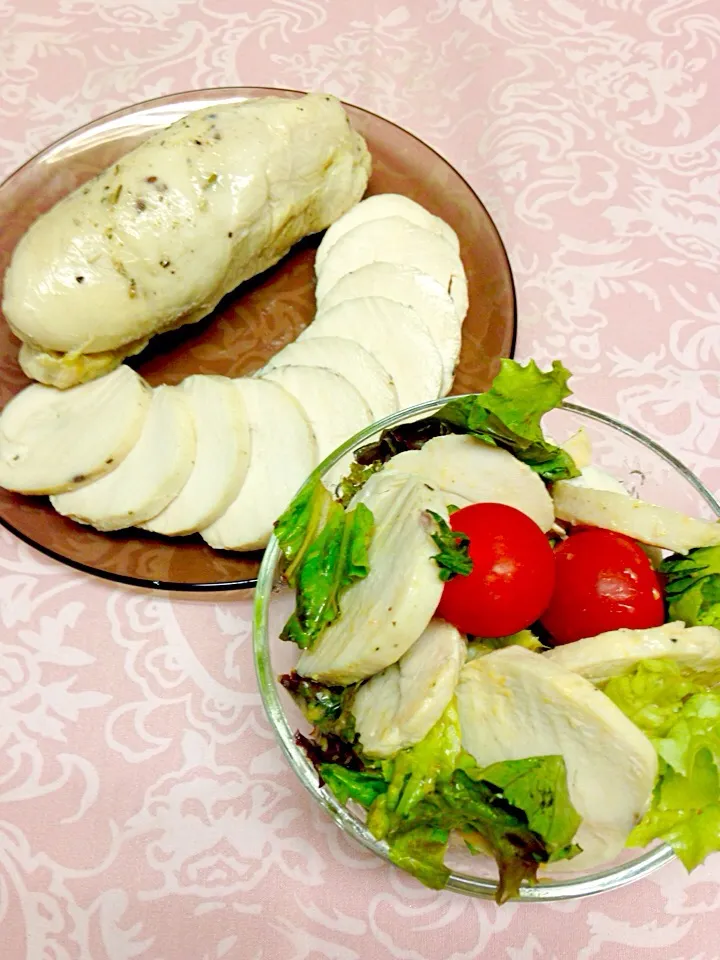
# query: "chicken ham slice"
465,468
52,441
150,476
384,614
221,461
414,289
395,336
379,207
333,407
694,649
395,709
646,522
395,240
515,704
348,359
283,453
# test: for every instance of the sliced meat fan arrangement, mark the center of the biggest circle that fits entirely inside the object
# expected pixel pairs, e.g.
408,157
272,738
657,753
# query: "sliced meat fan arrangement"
222,457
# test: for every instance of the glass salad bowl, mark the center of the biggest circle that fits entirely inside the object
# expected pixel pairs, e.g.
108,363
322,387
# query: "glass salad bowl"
647,470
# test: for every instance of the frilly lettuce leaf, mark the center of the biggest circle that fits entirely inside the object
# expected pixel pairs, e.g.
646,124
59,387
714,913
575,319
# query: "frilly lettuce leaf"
355,480
509,415
681,716
520,811
538,787
652,695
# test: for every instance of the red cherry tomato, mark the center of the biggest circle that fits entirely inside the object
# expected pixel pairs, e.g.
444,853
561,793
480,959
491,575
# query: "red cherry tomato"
512,577
603,581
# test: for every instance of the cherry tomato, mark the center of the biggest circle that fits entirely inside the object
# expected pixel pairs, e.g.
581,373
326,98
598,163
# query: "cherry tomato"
603,581
512,577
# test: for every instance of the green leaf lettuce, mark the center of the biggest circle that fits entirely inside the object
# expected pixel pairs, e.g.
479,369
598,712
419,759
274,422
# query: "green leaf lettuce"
519,812
681,716
334,559
509,415
692,586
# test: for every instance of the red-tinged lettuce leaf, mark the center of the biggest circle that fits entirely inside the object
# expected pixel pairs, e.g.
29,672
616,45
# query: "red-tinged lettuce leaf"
538,786
327,708
519,811
328,749
406,436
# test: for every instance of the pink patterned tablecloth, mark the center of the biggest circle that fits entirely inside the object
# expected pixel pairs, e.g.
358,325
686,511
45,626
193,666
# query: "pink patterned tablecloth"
145,810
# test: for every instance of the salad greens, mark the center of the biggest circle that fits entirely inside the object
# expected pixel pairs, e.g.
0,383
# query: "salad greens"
518,811
692,586
358,785
326,708
326,546
453,558
336,557
681,717
538,785
296,528
508,415
355,480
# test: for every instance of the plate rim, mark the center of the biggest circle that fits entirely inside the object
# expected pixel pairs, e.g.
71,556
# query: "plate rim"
218,586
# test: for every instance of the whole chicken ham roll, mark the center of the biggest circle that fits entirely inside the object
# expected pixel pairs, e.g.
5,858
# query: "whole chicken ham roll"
156,240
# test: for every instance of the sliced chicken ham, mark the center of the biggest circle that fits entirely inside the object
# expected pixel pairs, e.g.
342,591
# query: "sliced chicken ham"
695,649
150,476
515,704
395,336
348,359
52,441
467,469
333,407
384,614
395,240
395,709
283,453
379,207
646,522
221,460
414,289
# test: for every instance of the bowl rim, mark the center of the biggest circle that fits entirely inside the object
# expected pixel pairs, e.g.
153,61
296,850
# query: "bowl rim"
210,95
603,881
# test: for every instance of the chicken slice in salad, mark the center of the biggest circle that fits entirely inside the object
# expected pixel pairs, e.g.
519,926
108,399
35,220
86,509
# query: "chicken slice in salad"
498,648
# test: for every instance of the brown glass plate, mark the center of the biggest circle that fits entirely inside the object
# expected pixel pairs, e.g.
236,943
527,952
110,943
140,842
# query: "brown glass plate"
247,328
